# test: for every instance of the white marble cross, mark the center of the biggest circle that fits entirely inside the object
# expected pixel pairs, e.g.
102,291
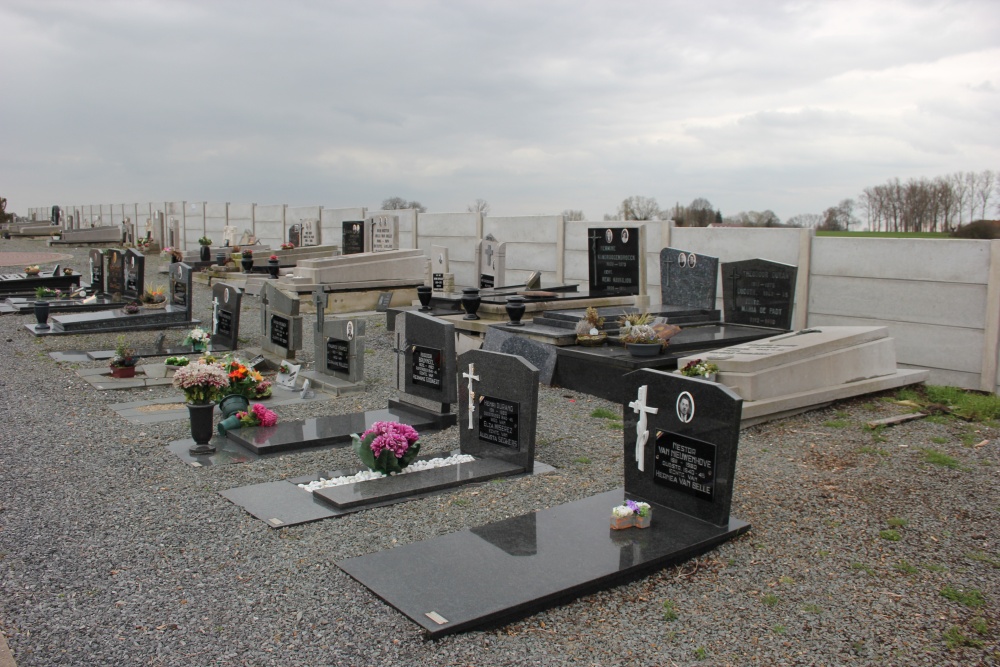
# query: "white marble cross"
472,394
215,315
641,432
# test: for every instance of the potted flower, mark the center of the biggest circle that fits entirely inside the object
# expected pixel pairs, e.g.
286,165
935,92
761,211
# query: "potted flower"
387,447
47,293
247,260
621,517
198,339
257,415
639,336
67,271
631,514
264,389
168,253
287,246
131,308
124,361
154,297
272,266
243,382
201,384
589,330
700,368
205,251
165,369
32,270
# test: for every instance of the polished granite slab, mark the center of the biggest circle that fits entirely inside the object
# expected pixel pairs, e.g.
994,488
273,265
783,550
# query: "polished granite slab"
323,431
395,487
283,503
513,568
102,321
26,305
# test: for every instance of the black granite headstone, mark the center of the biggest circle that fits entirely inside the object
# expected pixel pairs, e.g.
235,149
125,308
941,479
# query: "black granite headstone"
613,260
681,437
181,294
96,271
226,301
135,272
295,235
688,279
279,330
429,358
354,237
498,406
342,345
758,292
116,273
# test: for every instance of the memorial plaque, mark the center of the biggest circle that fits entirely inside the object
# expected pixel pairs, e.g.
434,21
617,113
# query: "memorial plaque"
116,273
224,323
226,302
280,327
492,262
96,271
135,263
758,292
338,356
426,366
684,464
384,232
498,421
353,241
614,260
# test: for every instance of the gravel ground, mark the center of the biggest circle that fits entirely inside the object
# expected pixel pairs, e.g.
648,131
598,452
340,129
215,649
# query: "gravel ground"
112,552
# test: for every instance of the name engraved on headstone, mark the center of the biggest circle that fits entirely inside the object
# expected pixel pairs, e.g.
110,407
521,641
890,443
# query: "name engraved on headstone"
614,260
179,296
498,421
684,464
759,293
224,323
279,330
353,238
338,355
486,282
426,366
437,281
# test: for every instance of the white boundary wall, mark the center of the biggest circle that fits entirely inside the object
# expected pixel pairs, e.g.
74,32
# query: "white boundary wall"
331,223
459,232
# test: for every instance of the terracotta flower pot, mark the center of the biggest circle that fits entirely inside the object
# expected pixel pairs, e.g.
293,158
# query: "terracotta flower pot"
123,371
620,522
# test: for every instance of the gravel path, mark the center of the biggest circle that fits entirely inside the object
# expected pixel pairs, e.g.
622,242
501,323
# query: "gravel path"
112,552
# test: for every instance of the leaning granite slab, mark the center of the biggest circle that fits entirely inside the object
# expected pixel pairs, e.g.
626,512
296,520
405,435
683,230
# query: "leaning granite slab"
381,270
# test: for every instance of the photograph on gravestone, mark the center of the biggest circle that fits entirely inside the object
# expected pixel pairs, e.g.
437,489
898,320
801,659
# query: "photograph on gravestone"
353,240
758,292
613,260
687,279
681,437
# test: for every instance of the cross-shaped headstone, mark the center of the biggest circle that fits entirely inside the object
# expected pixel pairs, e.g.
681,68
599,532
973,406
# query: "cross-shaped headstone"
471,375
641,431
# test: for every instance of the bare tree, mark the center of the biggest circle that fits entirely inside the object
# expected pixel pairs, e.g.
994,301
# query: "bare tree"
572,215
984,190
639,208
395,203
805,220
479,206
972,185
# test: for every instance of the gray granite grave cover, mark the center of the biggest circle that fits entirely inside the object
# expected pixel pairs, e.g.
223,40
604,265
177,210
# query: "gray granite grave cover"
497,407
226,301
539,355
688,279
758,292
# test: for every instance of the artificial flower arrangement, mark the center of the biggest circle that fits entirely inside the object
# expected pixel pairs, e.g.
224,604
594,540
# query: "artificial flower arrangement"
167,252
47,293
142,243
387,447
273,258
631,514
204,240
197,336
257,415
32,269
177,361
287,246
154,295
699,368
636,328
588,330
264,389
243,380
201,383
131,308
247,253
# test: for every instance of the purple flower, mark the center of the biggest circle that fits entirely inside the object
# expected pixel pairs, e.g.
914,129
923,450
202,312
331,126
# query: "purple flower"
393,436
632,505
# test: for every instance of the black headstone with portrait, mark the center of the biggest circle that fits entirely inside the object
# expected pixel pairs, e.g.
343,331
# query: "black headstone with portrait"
226,300
135,275
295,235
115,276
688,279
613,256
353,241
758,292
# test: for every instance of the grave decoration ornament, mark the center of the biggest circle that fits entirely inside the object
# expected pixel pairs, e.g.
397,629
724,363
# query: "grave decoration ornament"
124,361
197,338
201,383
47,293
387,447
131,308
256,415
32,270
699,368
589,330
631,514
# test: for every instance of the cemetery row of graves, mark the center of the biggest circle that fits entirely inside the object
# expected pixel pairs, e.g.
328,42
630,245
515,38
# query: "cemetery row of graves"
687,376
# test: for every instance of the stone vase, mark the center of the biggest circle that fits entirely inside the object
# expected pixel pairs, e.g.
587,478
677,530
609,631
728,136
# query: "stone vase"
232,404
424,294
220,258
272,267
471,302
247,264
201,427
42,315
515,310
205,253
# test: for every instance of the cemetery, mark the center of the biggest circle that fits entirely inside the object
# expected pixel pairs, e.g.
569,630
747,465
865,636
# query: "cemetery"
473,449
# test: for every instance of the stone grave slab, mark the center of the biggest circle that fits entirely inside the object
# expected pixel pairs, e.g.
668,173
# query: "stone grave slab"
281,322
498,407
353,237
226,300
688,279
758,292
615,257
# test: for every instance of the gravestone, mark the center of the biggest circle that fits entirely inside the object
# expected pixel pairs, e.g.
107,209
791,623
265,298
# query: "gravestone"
688,279
758,292
498,407
295,235
181,288
492,262
353,239
614,257
426,365
96,272
439,267
226,300
384,233
281,323
681,438
135,273
339,351
229,236
310,234
115,275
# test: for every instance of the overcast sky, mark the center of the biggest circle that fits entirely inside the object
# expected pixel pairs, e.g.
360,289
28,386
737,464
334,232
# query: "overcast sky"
534,106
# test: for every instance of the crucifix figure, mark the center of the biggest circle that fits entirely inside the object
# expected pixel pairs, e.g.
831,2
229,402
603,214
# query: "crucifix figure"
472,393
215,315
641,431
595,238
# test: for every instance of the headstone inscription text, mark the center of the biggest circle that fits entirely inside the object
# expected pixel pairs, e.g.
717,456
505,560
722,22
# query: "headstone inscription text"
224,322
338,355
614,260
498,421
684,464
426,366
759,293
279,330
353,240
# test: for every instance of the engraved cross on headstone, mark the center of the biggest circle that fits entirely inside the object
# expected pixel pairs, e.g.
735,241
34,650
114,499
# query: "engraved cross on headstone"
319,300
215,315
471,375
595,237
641,431
669,261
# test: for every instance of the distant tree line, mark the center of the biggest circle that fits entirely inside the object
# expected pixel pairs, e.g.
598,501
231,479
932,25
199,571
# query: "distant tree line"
929,205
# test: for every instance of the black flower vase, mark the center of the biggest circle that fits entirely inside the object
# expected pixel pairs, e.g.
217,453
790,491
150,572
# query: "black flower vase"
201,428
515,310
42,315
247,264
220,258
471,302
424,294
272,267
206,254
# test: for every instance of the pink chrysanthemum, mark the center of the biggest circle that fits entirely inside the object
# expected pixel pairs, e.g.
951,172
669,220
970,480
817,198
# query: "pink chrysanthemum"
393,436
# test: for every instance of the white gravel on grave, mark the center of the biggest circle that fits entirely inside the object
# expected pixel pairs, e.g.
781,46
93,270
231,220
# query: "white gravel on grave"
369,475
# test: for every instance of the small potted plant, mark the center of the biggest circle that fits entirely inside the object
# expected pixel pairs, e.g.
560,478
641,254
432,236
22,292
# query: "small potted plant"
243,382
638,335
131,308
272,266
287,246
631,514
589,330
67,271
246,260
124,361
201,384
32,270
154,297
700,368
621,517
47,293
387,447
264,389
257,415
198,339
